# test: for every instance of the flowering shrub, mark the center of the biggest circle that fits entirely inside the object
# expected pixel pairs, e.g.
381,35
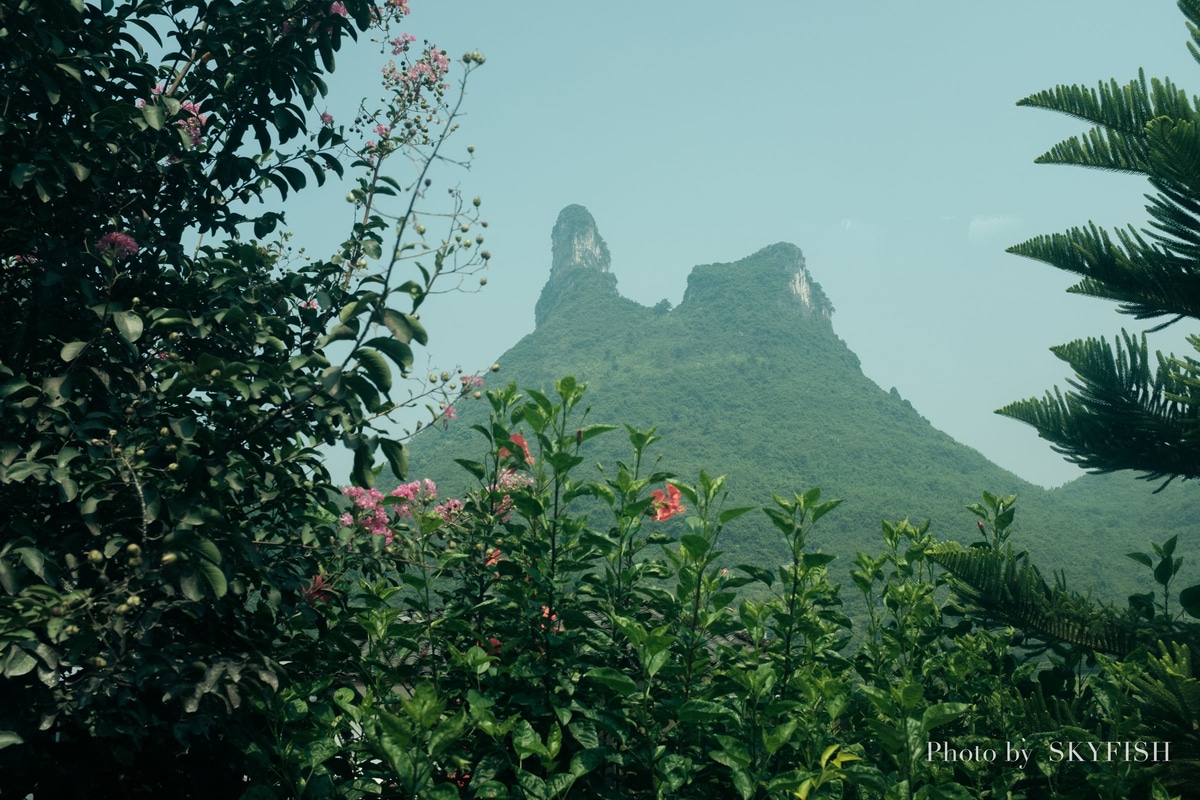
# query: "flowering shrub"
170,369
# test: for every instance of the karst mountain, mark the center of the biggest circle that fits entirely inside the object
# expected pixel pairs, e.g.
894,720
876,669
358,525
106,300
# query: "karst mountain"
748,378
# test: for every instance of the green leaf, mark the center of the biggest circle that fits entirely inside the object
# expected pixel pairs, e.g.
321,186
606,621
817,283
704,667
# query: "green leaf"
378,369
704,711
18,662
817,559
10,737
733,513
397,456
614,679
526,742
71,350
942,713
694,546
1141,558
129,325
400,353
404,327
824,508
1189,598
474,467
758,573
215,577
153,114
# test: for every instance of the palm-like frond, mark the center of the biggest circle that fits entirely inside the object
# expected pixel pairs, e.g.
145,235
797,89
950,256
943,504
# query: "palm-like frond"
1123,411
1120,114
1010,590
1146,278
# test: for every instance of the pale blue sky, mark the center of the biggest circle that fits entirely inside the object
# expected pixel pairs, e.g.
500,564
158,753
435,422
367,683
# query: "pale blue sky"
881,138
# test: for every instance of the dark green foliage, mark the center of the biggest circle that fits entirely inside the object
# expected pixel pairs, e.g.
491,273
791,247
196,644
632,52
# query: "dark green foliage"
1124,410
1007,588
163,395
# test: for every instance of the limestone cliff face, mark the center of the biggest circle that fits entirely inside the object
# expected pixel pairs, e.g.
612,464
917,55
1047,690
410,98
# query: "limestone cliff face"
775,277
775,280
579,262
576,242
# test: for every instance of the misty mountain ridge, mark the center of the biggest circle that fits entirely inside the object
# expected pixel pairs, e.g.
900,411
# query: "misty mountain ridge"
747,378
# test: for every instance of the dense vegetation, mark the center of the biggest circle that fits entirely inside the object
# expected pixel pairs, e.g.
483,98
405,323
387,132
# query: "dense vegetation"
190,607
744,378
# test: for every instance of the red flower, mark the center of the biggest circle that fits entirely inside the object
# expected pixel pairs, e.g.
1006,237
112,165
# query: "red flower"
666,505
493,559
519,441
979,522
497,646
317,591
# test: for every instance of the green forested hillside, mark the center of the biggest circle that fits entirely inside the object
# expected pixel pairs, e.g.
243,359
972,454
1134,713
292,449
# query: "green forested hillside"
747,377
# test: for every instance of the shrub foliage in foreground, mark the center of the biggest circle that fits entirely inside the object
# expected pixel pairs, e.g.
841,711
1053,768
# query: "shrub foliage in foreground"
502,645
186,610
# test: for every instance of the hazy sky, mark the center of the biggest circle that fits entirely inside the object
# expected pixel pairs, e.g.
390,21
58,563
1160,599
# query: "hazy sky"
881,138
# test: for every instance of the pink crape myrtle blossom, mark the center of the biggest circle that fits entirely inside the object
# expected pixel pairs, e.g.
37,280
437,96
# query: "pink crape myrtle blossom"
401,43
508,482
339,9
117,246
326,118
449,511
193,123
375,519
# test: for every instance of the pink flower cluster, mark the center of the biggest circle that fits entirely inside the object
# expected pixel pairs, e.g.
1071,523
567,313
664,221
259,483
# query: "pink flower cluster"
339,9
449,510
415,493
193,124
376,518
427,72
401,43
508,482
117,246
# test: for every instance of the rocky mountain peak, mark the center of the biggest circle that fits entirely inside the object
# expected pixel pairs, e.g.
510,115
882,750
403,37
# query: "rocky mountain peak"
576,242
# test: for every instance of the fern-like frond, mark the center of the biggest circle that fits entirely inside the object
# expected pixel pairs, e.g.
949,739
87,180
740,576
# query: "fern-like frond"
1191,10
1168,694
1120,114
1146,278
1124,411
1010,590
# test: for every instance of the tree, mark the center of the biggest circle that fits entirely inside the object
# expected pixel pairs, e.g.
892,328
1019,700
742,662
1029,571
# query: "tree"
1125,410
167,379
